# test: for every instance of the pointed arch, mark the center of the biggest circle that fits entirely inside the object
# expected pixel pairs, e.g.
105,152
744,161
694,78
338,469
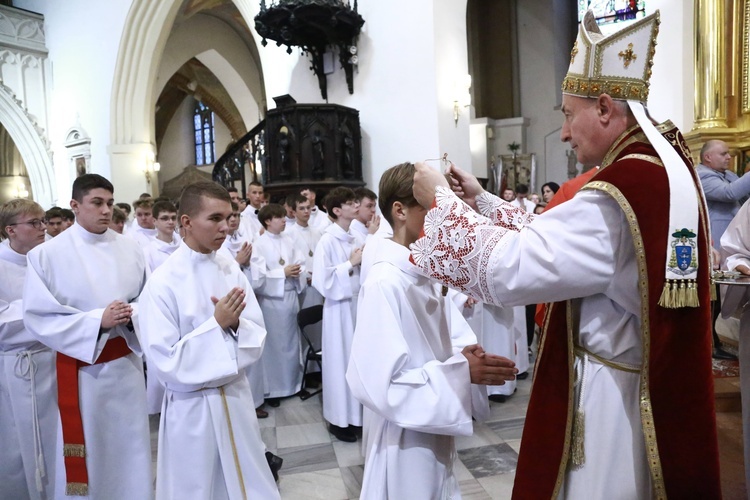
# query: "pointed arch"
144,37
32,145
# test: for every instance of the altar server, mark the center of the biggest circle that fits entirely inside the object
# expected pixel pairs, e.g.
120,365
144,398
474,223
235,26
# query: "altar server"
28,383
77,301
278,295
414,359
166,240
201,326
143,229
336,276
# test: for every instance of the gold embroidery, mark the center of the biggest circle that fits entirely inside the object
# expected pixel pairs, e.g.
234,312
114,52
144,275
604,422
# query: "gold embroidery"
74,450
569,423
574,52
234,445
647,416
649,158
628,55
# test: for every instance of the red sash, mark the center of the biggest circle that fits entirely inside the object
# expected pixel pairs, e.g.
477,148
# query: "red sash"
74,450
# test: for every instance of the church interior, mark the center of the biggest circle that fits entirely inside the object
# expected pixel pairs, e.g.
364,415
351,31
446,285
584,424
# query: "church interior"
156,94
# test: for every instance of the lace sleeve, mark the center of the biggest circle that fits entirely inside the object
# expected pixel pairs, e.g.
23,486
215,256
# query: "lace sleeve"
503,213
458,242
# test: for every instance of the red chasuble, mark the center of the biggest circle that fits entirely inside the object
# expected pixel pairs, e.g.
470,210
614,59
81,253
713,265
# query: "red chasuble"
676,388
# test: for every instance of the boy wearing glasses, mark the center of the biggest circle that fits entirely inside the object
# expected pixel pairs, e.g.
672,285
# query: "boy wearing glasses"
336,267
166,240
28,383
77,301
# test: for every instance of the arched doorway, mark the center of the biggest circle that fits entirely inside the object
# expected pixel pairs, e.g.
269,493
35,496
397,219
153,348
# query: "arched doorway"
147,30
32,147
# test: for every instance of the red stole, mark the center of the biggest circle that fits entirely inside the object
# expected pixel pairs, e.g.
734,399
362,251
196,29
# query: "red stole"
74,449
677,410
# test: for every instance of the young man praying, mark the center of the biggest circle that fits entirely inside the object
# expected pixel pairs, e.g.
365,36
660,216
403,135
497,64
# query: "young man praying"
201,326
77,301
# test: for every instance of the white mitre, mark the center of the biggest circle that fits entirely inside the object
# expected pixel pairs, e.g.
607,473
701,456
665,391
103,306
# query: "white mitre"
619,65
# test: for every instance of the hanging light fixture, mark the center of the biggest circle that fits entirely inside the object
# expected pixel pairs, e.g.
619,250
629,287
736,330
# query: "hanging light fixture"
315,26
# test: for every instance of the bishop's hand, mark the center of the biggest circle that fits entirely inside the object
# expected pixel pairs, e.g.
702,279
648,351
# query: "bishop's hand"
426,180
228,309
465,185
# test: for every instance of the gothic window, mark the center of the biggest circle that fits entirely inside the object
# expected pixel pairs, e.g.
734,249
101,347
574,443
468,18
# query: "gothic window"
612,11
203,124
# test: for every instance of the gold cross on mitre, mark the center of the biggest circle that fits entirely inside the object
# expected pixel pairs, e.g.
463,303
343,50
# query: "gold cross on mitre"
628,56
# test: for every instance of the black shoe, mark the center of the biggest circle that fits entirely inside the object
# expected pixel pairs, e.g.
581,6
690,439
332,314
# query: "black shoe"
356,429
274,463
522,376
261,413
273,402
720,353
498,398
342,433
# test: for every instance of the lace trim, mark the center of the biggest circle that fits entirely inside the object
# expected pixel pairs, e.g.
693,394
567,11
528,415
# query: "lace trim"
458,243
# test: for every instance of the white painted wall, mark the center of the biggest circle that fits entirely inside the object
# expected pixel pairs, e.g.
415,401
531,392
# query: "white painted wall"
83,39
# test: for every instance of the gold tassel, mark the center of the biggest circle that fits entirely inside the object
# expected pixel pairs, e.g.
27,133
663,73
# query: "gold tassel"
692,294
666,299
578,450
77,490
681,295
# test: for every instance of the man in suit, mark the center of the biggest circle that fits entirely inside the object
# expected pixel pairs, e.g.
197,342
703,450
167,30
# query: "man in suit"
725,192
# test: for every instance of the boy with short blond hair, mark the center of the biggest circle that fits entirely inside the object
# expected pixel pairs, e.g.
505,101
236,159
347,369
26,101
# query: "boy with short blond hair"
28,378
413,362
142,230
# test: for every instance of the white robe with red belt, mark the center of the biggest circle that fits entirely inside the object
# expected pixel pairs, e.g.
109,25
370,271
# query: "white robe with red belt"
70,280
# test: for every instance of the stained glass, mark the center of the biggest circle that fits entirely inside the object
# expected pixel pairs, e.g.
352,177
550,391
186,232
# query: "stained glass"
612,11
203,126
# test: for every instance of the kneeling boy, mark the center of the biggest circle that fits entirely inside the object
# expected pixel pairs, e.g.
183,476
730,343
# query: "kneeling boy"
412,364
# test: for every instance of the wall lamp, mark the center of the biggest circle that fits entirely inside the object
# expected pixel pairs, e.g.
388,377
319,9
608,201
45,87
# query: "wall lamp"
149,166
462,96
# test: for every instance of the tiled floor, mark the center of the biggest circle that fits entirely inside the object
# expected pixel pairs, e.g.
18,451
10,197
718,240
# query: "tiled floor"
318,466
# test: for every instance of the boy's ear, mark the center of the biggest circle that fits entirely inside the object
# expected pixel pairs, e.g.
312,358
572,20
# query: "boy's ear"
185,221
397,211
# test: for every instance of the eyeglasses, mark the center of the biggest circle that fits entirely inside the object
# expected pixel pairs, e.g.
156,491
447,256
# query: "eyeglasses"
37,223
